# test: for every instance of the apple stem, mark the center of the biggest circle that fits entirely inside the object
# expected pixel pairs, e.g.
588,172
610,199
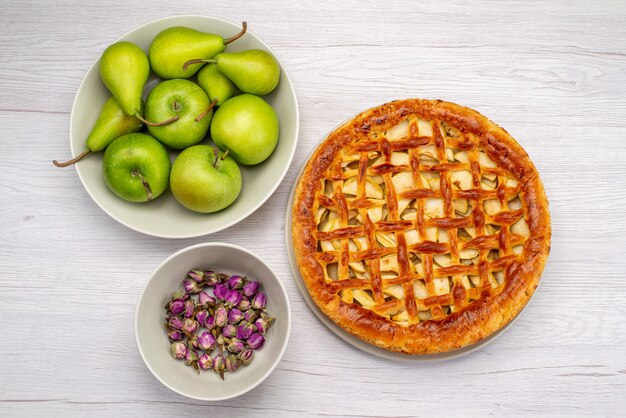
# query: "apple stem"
197,61
244,28
206,112
145,184
216,153
73,160
225,154
165,122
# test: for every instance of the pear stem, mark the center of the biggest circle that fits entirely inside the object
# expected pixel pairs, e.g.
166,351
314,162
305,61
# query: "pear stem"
197,61
144,182
244,28
165,122
206,112
73,160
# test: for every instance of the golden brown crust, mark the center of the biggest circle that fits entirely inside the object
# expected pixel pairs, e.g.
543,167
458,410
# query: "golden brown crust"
474,321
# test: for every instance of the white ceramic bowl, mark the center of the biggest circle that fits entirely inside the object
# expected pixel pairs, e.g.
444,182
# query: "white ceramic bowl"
164,217
154,345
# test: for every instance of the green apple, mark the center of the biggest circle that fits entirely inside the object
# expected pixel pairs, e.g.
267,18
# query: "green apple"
183,108
204,179
246,126
136,167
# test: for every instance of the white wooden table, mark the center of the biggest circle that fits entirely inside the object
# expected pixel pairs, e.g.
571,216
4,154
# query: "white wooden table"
552,73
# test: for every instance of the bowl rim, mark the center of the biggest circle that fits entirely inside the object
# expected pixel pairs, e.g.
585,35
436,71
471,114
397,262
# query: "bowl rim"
251,210
277,358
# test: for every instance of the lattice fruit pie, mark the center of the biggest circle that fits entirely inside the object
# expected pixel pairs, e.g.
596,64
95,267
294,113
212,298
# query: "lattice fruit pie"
420,226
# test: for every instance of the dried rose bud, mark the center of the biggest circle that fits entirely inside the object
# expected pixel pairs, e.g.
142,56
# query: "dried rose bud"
218,365
220,340
190,326
177,306
221,316
178,350
196,275
205,362
256,341
191,357
235,345
235,282
229,331
259,301
191,286
234,316
192,341
246,356
175,323
206,341
204,298
250,315
250,288
201,317
245,330
232,362
180,294
211,278
262,325
190,307
210,323
175,335
220,290
223,277
233,297
245,304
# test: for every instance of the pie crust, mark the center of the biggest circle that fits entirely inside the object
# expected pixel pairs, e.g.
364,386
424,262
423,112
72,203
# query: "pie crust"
420,226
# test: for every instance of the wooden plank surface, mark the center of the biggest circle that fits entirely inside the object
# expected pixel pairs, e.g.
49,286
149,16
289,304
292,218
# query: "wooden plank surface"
552,73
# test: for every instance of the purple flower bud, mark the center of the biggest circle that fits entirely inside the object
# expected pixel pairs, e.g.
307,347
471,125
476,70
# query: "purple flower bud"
245,330
210,323
190,326
190,307
211,278
196,275
204,298
218,365
234,316
220,290
259,301
175,323
191,357
262,325
179,350
245,304
177,306
233,297
221,316
246,356
235,282
191,286
205,362
229,331
250,315
201,317
256,341
235,345
206,341
192,341
250,288
175,335
232,362
223,277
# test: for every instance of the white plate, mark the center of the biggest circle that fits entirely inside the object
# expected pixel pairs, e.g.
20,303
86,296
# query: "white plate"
164,217
349,338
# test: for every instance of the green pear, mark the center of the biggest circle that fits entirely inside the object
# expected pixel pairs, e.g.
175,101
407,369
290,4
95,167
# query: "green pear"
172,48
247,127
254,71
124,69
216,85
112,123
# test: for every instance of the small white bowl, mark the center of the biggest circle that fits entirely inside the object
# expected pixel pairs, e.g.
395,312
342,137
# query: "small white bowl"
154,344
165,217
